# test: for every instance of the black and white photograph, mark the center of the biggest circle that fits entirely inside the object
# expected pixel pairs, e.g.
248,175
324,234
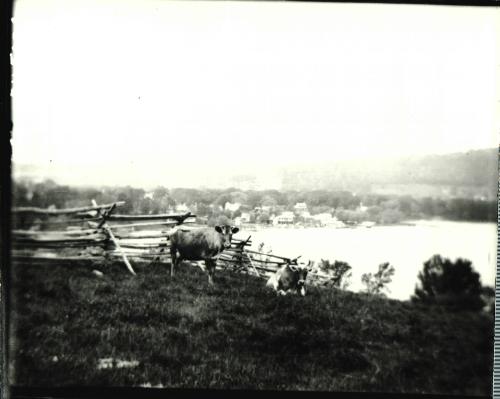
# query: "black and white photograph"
254,195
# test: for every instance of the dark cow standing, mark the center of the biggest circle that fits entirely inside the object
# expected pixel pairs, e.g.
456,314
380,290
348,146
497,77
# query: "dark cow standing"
290,278
201,244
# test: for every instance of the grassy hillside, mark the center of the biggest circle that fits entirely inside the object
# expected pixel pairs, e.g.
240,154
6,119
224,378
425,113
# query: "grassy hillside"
184,333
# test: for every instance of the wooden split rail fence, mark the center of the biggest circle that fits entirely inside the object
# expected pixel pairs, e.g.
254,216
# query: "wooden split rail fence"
94,233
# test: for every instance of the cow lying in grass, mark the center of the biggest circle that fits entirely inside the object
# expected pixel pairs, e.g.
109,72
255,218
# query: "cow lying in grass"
200,244
290,278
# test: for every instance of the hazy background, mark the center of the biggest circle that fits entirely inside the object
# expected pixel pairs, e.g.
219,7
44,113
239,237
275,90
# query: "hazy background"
241,93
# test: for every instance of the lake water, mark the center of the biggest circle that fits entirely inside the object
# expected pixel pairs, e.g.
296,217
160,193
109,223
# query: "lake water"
405,247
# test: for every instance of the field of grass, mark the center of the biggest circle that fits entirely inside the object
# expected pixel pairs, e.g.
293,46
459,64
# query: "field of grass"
183,333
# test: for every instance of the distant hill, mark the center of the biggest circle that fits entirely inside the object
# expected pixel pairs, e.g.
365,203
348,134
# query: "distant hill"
470,174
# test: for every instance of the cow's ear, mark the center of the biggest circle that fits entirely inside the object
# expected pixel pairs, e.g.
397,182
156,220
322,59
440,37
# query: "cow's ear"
218,229
234,230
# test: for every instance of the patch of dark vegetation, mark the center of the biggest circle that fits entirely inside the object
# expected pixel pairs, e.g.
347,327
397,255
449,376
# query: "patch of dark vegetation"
237,334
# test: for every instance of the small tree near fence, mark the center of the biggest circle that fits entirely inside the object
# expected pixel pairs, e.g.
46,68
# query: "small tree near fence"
340,272
263,249
377,283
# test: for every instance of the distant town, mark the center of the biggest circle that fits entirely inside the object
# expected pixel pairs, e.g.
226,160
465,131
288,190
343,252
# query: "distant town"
300,216
306,208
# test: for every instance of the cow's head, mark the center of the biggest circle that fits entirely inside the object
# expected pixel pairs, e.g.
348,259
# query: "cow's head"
227,233
301,271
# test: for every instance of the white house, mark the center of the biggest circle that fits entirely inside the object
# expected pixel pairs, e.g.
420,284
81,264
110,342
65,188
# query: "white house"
305,214
323,218
229,206
245,217
148,195
300,207
362,208
181,208
284,218
326,219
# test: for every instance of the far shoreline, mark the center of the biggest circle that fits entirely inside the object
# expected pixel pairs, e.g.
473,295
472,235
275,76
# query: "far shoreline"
405,223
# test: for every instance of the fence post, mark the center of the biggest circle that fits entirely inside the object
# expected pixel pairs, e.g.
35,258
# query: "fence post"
251,263
104,225
243,253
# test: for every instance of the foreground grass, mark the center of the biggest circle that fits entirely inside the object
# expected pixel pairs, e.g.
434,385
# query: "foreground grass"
184,333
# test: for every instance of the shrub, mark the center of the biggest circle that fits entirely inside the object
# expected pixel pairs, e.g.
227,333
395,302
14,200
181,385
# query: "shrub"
263,249
452,284
340,272
377,283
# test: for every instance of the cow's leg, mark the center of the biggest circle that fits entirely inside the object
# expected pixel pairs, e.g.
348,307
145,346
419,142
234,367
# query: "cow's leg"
173,259
180,259
210,265
275,284
280,289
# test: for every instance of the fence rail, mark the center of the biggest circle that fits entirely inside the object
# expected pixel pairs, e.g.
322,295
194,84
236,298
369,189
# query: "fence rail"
65,211
106,231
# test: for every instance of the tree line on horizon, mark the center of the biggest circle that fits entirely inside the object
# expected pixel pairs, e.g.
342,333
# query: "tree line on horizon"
210,203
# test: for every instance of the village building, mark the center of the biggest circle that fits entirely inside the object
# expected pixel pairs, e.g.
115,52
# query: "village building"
300,207
306,215
326,219
245,217
285,218
362,208
229,206
181,208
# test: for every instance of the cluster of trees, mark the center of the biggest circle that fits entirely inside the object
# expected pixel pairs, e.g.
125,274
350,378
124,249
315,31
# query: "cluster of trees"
209,203
454,286
375,283
386,209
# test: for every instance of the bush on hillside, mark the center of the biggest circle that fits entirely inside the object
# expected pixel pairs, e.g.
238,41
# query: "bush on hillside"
340,272
455,285
377,283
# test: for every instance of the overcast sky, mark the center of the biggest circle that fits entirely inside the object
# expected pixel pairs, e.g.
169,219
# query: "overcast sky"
146,90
